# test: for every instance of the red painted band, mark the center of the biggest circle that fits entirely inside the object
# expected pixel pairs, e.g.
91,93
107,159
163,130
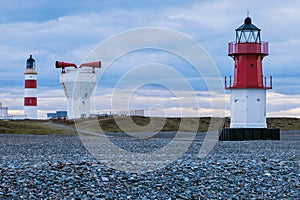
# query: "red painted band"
30,84
30,101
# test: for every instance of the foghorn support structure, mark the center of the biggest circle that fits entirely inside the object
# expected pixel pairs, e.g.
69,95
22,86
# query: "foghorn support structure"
63,65
248,88
78,85
93,65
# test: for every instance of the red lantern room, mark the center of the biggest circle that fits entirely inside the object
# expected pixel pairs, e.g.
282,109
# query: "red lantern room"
248,52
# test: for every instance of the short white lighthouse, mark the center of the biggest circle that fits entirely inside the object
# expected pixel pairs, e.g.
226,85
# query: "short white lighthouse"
248,88
30,90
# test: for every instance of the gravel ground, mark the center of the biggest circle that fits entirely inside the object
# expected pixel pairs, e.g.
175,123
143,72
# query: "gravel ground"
59,167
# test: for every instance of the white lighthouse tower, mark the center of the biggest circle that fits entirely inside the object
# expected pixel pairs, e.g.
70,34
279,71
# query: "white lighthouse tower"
78,85
30,90
248,90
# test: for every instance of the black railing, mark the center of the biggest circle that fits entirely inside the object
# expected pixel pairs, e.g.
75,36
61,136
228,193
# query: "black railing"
264,86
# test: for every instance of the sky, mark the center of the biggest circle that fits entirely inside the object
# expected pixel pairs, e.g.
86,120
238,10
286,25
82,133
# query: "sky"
70,30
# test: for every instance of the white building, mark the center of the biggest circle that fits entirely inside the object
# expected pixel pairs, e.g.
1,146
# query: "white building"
78,85
3,112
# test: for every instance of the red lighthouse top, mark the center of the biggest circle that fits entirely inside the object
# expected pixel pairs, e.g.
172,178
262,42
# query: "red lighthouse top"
248,52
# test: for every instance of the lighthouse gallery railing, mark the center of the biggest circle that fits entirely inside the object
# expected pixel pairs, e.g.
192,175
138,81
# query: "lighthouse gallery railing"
239,48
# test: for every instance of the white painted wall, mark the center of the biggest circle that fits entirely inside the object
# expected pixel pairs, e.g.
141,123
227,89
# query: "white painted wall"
248,108
30,92
30,112
3,112
78,85
30,76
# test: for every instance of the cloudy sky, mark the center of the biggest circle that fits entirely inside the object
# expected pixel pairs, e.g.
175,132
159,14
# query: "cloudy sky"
69,30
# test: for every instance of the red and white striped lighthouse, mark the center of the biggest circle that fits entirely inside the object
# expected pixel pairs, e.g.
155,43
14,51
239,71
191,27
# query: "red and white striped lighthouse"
30,91
248,88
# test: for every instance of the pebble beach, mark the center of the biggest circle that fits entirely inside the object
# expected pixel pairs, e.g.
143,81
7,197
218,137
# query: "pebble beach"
60,167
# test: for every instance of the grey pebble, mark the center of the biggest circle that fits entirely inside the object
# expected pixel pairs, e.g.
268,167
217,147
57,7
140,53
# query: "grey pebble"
59,167
105,179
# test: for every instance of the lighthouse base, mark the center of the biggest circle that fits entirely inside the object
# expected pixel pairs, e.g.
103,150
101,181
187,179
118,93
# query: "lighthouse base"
248,108
240,134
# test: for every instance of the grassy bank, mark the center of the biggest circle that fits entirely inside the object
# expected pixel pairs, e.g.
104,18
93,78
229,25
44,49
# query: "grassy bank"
30,127
134,124
147,124
284,123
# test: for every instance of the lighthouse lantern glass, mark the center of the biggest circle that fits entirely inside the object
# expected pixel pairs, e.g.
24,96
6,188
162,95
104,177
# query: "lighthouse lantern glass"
248,36
247,32
30,63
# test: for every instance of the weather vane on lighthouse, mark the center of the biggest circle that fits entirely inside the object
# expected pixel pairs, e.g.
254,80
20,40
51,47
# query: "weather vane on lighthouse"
248,88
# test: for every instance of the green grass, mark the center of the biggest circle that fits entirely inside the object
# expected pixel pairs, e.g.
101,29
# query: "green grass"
284,123
134,124
153,124
30,127
149,124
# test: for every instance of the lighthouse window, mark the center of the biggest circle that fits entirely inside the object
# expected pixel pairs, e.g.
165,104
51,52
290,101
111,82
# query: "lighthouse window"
235,100
258,99
251,65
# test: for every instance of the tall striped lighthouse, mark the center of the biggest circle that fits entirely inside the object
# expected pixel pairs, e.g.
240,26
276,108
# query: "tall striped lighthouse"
248,88
30,90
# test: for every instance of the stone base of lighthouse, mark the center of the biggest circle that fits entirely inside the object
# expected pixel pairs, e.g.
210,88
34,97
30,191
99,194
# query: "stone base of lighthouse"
239,134
248,116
